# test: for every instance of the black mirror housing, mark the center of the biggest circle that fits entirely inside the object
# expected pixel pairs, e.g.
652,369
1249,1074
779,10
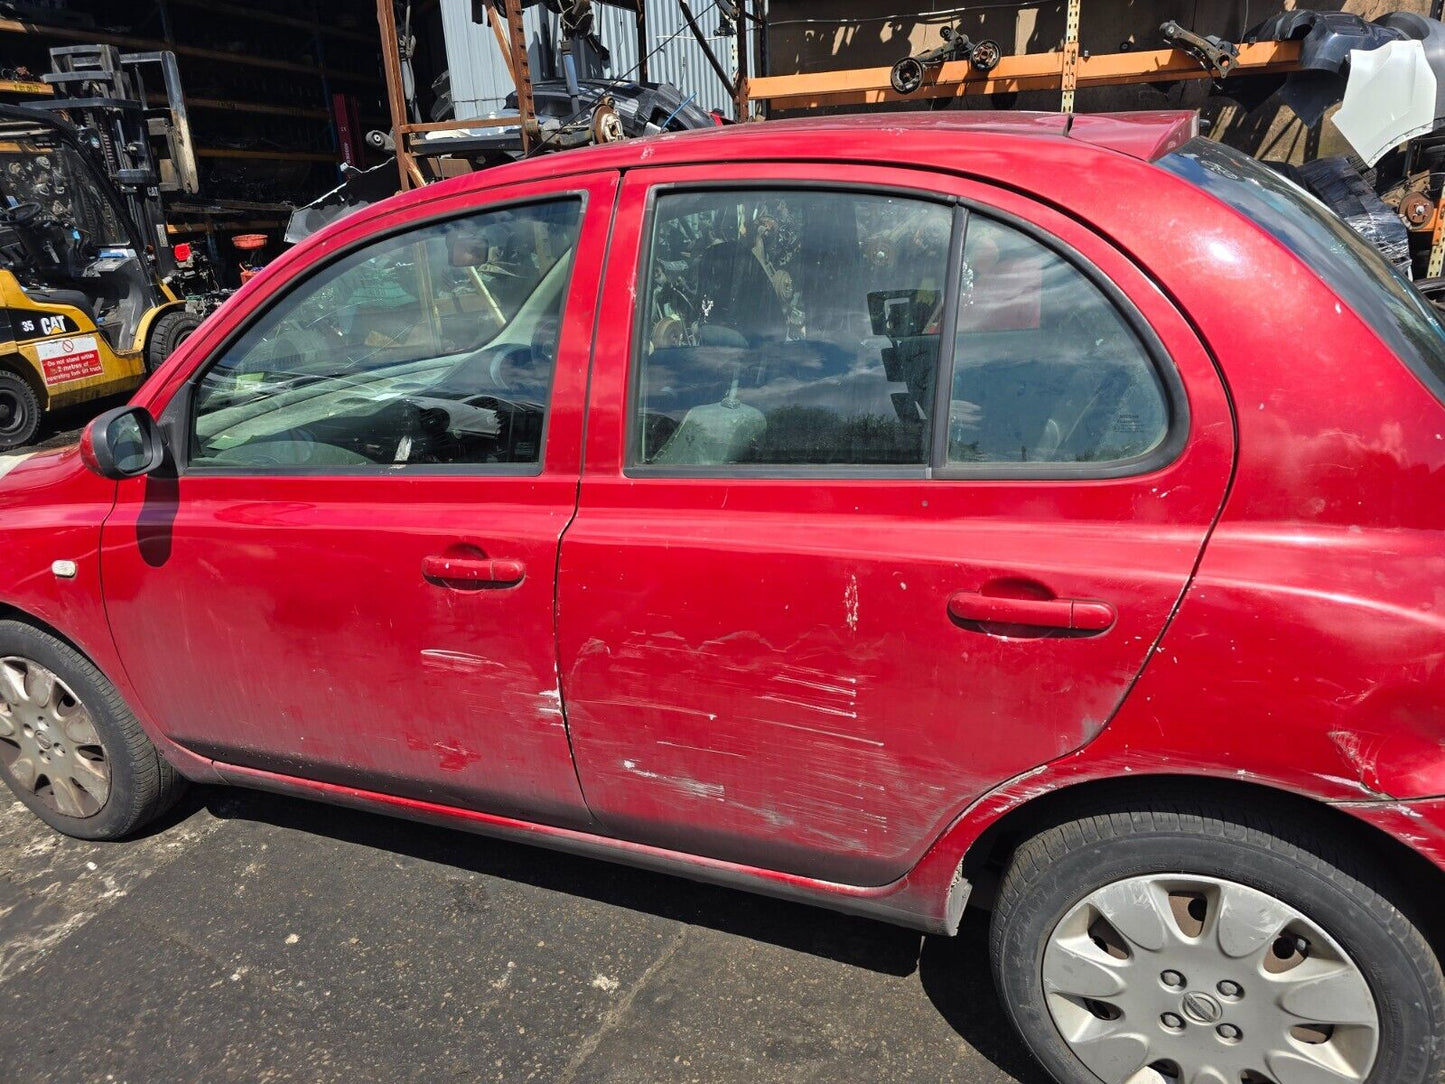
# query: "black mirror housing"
123,443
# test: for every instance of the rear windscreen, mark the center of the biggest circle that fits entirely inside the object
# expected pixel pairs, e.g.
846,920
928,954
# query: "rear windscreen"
1354,270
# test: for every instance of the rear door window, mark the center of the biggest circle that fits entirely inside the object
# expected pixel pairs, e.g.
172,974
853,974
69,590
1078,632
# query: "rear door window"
806,330
1046,369
790,328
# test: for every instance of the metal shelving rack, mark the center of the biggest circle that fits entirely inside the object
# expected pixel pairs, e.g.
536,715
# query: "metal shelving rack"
313,28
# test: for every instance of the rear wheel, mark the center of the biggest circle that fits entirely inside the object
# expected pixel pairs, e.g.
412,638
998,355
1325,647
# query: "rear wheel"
70,749
19,411
1192,946
169,332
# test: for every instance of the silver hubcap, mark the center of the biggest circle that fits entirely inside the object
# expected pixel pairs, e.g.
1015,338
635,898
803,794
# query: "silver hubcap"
1175,979
48,744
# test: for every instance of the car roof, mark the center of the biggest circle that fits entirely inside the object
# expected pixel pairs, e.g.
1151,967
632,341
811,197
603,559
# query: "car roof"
1141,135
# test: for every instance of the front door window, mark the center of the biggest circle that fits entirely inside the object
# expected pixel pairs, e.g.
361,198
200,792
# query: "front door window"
430,347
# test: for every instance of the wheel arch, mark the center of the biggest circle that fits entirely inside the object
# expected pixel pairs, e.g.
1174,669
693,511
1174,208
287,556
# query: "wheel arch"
10,612
190,765
1413,876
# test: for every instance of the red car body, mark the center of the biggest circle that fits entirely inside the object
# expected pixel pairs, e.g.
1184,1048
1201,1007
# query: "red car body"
759,680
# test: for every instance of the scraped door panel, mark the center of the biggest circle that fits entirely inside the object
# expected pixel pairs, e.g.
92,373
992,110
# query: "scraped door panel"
789,671
386,627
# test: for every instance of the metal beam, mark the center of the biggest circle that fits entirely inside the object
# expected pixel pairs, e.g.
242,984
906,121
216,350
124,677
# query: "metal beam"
67,33
1069,81
740,81
1026,71
521,72
641,21
495,22
395,100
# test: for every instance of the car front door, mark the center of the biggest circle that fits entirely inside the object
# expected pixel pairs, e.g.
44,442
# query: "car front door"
892,484
351,579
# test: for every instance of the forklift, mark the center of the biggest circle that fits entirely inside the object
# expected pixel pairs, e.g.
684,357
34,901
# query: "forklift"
93,294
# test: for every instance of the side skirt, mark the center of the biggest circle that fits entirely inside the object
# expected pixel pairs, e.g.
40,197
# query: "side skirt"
901,902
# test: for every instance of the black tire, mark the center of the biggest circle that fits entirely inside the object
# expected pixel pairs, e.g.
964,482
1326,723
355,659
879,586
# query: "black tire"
142,784
1266,851
19,411
169,332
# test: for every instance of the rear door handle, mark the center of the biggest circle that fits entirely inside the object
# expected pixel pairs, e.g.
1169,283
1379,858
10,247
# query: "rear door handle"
499,572
1085,615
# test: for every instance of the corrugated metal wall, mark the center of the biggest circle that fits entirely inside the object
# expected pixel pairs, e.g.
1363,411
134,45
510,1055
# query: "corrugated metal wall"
480,83
676,59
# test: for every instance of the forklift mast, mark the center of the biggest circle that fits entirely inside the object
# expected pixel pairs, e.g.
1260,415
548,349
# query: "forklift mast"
144,150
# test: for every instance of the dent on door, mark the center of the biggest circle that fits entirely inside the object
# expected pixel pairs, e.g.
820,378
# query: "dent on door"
817,675
816,707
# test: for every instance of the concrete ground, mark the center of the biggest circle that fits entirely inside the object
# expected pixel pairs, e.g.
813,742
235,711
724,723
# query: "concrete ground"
255,938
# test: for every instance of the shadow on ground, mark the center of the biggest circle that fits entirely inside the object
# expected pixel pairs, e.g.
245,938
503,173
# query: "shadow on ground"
954,972
63,426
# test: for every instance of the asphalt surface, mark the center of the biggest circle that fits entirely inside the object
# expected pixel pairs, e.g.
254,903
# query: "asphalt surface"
249,937
62,427
254,938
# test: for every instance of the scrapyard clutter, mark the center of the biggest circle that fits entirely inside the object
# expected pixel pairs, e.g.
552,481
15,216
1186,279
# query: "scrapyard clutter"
977,473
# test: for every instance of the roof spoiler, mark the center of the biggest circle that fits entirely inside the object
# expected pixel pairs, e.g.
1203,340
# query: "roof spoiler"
1145,135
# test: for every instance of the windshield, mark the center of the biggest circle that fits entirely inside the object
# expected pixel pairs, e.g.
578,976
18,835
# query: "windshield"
1363,278
39,168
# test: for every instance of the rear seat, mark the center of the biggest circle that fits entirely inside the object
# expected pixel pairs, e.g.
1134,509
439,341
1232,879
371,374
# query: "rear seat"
804,389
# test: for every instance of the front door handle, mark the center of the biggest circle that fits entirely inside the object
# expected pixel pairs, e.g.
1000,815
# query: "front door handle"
481,571
1084,615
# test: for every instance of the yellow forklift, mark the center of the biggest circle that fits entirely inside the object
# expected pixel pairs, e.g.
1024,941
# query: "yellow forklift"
93,294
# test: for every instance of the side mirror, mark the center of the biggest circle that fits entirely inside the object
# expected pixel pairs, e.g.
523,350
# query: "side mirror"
123,443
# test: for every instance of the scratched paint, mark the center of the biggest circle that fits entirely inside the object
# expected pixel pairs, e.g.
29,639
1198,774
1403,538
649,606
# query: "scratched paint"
453,755
446,661
692,787
743,759
843,741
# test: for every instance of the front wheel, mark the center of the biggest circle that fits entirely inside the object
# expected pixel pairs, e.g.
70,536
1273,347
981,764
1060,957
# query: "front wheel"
1192,946
70,749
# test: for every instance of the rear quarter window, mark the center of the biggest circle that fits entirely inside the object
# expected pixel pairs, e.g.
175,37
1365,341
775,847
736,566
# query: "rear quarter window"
1363,278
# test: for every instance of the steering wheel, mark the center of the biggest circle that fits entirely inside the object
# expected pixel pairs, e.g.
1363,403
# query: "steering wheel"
22,214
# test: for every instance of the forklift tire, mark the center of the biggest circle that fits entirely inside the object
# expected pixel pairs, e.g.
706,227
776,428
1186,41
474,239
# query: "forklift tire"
19,411
170,331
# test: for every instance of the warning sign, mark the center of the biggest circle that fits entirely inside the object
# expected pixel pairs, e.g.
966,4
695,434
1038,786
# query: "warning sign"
63,360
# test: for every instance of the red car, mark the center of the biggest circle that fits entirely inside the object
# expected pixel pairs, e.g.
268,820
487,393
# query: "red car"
894,513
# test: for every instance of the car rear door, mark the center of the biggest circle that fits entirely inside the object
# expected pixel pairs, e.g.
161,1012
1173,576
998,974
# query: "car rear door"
351,579
801,625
